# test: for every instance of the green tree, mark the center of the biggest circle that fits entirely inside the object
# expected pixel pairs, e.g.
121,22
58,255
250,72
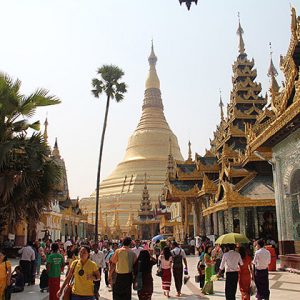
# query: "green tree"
27,174
109,84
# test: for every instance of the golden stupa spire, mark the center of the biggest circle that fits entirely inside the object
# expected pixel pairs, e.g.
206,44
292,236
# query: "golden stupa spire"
240,33
46,131
152,81
55,151
221,105
190,151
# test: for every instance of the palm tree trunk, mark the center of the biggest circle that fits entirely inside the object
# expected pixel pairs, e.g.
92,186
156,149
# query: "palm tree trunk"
99,168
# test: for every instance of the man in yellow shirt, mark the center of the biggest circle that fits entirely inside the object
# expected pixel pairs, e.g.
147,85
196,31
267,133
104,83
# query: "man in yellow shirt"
123,259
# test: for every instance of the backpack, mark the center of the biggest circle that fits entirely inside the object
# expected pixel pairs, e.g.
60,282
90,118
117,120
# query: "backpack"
44,280
177,260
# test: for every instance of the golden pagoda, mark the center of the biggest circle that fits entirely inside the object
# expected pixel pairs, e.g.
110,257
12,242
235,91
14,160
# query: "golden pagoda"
147,152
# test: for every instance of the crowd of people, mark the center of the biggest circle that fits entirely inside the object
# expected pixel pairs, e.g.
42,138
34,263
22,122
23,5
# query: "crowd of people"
127,265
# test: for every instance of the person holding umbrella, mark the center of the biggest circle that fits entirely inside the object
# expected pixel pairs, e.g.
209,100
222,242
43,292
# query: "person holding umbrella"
231,261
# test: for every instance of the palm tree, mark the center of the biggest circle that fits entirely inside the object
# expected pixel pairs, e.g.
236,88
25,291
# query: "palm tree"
27,175
108,83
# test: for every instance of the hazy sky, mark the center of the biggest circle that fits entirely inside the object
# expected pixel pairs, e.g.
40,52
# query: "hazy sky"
59,44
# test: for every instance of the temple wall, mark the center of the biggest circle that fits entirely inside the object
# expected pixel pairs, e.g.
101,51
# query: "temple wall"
286,156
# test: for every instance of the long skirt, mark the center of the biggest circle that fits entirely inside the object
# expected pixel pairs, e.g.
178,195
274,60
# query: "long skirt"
262,284
244,283
178,274
208,285
122,287
166,279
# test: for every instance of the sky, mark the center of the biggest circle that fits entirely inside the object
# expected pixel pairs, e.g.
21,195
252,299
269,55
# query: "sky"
60,44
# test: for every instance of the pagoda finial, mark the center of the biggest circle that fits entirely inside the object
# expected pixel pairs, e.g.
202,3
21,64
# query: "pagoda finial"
55,151
272,73
46,131
221,105
152,80
190,151
145,180
240,33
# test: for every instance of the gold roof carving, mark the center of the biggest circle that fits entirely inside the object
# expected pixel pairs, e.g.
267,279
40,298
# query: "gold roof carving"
233,198
208,186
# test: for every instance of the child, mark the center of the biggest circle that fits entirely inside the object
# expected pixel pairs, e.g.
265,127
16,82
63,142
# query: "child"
201,272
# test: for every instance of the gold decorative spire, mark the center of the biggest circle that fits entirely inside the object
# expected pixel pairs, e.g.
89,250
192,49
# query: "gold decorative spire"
190,151
272,73
55,151
240,33
152,81
46,131
221,105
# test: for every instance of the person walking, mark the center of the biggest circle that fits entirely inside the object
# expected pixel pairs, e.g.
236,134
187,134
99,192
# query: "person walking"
85,272
143,275
123,261
165,264
54,265
230,262
208,287
179,257
261,261
137,248
245,274
98,258
5,274
27,257
108,253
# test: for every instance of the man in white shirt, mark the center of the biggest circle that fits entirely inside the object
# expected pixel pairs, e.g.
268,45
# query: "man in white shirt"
231,261
27,257
261,261
137,248
98,257
67,244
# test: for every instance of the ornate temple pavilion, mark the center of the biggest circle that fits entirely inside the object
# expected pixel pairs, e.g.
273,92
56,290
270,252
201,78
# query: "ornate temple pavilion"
277,131
147,152
218,192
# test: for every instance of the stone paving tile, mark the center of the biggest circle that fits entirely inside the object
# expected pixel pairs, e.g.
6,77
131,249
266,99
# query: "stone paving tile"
283,286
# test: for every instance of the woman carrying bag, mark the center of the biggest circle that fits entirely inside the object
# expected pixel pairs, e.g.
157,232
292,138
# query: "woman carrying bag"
165,263
84,272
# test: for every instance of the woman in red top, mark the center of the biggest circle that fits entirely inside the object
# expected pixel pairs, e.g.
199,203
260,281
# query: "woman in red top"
245,274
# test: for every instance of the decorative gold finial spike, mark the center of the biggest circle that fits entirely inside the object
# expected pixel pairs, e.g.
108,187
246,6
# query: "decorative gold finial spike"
221,105
272,72
152,80
46,131
55,151
240,33
190,151
145,180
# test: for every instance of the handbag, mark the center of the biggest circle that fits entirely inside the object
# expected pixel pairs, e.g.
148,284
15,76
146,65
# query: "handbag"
67,294
197,278
253,288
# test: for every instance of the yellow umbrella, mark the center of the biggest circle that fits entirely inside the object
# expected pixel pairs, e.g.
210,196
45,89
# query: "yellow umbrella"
232,238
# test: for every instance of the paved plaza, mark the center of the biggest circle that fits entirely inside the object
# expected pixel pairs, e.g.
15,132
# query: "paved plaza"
283,285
